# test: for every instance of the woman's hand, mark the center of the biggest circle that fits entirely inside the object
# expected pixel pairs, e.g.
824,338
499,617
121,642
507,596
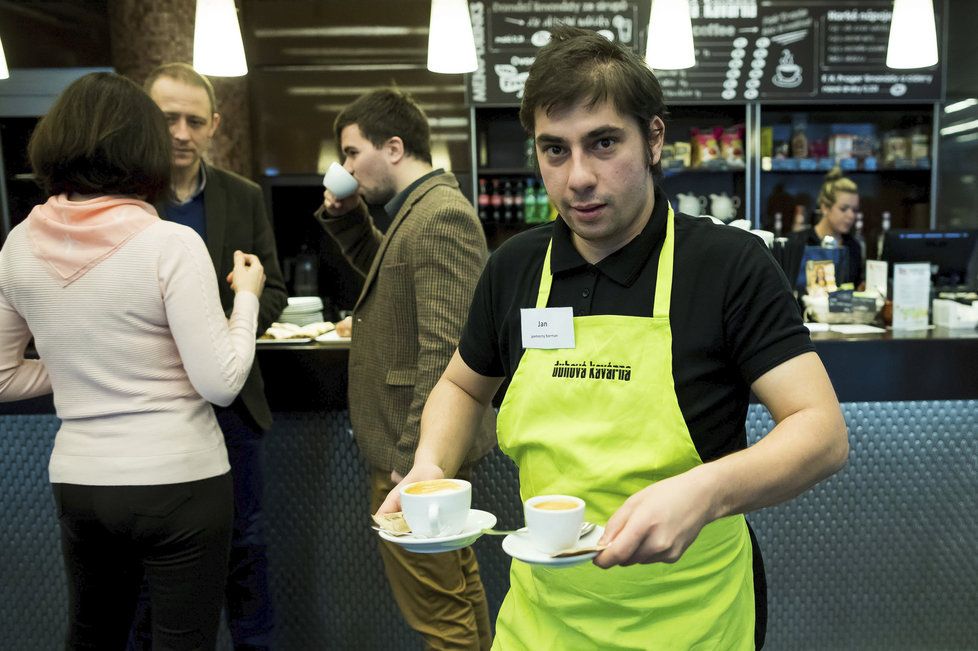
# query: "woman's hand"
248,274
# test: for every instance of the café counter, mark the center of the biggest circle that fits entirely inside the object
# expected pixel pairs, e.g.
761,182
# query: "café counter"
879,556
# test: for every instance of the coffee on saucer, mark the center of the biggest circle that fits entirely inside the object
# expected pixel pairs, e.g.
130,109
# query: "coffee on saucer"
436,508
555,505
554,521
433,486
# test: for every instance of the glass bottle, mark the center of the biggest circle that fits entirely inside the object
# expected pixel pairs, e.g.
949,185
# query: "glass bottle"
884,228
496,201
778,224
530,202
483,202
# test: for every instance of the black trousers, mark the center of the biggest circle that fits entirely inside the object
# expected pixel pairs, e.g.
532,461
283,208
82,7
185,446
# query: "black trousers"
178,535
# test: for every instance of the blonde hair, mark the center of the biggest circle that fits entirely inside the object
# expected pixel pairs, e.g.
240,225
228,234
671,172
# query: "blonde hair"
835,183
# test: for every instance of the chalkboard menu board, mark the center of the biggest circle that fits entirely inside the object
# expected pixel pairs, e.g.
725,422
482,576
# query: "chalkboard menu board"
746,50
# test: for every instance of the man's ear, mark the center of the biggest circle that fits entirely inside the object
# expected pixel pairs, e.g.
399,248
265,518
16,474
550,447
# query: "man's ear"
394,149
216,122
657,137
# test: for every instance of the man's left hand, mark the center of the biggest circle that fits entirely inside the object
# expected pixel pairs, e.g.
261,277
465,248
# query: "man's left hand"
658,523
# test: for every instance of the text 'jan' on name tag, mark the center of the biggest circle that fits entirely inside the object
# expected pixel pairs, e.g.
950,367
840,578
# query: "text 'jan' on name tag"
548,327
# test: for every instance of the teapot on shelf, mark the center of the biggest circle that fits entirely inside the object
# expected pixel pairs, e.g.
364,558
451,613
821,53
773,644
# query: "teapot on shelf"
691,204
723,207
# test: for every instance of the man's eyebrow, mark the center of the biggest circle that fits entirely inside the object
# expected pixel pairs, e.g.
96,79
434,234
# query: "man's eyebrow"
546,138
598,132
605,130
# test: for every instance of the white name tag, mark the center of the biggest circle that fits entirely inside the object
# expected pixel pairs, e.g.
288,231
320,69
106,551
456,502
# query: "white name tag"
548,327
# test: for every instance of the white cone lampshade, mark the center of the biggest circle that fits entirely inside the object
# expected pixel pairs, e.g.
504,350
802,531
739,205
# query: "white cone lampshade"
913,35
218,49
670,45
451,45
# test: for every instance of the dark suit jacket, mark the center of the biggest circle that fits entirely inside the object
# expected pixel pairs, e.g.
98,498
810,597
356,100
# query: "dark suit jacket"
420,277
234,211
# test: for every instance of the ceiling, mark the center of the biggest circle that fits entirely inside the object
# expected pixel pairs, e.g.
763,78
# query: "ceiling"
309,58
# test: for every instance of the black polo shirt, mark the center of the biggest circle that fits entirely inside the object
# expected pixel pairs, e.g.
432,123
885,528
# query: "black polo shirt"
732,315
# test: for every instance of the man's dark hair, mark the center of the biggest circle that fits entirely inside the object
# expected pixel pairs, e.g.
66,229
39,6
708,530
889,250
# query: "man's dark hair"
103,135
579,65
385,113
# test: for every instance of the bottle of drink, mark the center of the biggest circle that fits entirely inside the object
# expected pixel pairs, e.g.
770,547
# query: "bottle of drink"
483,201
884,227
799,223
858,235
530,202
496,201
778,225
508,214
519,209
543,204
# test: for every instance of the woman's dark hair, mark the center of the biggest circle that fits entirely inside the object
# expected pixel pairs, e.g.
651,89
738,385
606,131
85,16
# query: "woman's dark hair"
385,113
103,135
579,65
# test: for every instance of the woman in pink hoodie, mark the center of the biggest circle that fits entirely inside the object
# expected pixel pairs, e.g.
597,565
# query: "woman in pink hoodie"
123,308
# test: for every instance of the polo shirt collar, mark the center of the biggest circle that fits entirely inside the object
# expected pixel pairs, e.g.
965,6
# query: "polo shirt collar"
624,265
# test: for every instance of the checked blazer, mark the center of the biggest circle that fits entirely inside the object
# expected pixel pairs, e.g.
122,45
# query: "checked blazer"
419,280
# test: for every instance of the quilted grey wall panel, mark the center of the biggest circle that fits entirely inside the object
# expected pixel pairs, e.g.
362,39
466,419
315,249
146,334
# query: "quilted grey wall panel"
882,556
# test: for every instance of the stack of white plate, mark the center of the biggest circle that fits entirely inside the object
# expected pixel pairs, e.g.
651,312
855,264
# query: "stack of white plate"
303,310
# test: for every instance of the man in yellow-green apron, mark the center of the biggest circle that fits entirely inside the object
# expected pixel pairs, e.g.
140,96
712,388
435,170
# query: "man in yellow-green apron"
628,338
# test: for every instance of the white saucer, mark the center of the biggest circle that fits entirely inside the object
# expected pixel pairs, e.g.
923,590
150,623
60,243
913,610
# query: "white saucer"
518,546
478,520
293,340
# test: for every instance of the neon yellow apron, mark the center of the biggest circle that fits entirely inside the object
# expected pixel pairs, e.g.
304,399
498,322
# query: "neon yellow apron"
604,437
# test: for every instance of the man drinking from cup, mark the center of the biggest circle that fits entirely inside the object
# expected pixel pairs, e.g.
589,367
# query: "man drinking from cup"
419,279
631,338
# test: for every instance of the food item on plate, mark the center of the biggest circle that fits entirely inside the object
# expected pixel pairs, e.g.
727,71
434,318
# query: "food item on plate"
285,331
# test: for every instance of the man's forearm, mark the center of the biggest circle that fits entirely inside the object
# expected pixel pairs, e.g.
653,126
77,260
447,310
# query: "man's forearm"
799,452
448,424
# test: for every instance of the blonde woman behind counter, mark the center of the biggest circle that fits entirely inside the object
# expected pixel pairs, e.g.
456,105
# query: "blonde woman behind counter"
838,203
125,315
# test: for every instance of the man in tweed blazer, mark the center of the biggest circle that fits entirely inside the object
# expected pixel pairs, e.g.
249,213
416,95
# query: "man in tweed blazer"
420,277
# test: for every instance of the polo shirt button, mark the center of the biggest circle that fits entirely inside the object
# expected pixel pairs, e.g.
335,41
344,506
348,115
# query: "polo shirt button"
586,292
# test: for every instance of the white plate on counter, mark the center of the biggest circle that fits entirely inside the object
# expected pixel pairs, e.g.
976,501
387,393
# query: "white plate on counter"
299,340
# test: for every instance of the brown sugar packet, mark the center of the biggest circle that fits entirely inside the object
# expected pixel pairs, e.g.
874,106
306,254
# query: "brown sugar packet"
392,522
578,551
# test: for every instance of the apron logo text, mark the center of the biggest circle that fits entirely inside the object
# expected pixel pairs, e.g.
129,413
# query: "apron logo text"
592,371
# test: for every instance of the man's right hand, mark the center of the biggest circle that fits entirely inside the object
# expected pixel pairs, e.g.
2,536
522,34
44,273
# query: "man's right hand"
336,207
419,472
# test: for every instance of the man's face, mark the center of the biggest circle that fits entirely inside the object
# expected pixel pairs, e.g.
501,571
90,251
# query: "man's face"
369,165
595,165
192,123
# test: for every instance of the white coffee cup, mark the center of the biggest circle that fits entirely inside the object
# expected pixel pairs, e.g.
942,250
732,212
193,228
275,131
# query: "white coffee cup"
436,508
554,521
340,182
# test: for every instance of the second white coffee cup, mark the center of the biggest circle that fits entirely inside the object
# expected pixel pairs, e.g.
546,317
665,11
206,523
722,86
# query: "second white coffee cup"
554,521
340,182
436,508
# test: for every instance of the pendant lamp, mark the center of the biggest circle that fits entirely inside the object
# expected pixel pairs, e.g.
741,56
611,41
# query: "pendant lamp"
913,35
451,45
4,71
670,44
218,50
